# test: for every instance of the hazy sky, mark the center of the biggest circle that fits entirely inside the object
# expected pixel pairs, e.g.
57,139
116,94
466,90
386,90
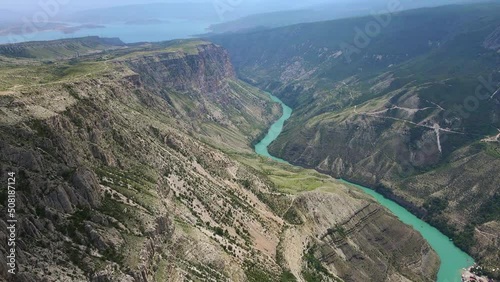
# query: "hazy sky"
20,5
14,10
239,7
73,4
23,5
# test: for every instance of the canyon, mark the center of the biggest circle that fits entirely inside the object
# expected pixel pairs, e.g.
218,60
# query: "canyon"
413,113
135,163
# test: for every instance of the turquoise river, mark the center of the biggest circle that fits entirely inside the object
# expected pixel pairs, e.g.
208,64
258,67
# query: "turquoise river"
453,260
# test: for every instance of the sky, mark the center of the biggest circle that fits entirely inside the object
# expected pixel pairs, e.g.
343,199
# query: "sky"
31,5
14,10
28,8
72,5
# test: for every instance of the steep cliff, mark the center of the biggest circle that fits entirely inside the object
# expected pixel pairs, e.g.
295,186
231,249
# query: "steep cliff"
206,69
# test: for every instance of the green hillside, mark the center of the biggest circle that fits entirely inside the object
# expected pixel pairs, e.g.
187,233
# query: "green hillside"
60,49
413,110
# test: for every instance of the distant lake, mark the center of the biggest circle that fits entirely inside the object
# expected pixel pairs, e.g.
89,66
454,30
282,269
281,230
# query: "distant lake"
128,33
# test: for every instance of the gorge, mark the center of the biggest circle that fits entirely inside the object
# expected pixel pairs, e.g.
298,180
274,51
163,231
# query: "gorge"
453,260
138,162
143,171
395,117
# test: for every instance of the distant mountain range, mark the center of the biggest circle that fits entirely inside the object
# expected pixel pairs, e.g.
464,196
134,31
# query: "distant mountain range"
161,11
320,12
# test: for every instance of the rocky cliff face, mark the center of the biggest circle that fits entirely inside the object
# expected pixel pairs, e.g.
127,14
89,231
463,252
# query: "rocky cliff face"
200,84
206,70
129,168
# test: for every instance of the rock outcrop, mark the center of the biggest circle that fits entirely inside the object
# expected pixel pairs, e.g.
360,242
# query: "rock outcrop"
207,69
